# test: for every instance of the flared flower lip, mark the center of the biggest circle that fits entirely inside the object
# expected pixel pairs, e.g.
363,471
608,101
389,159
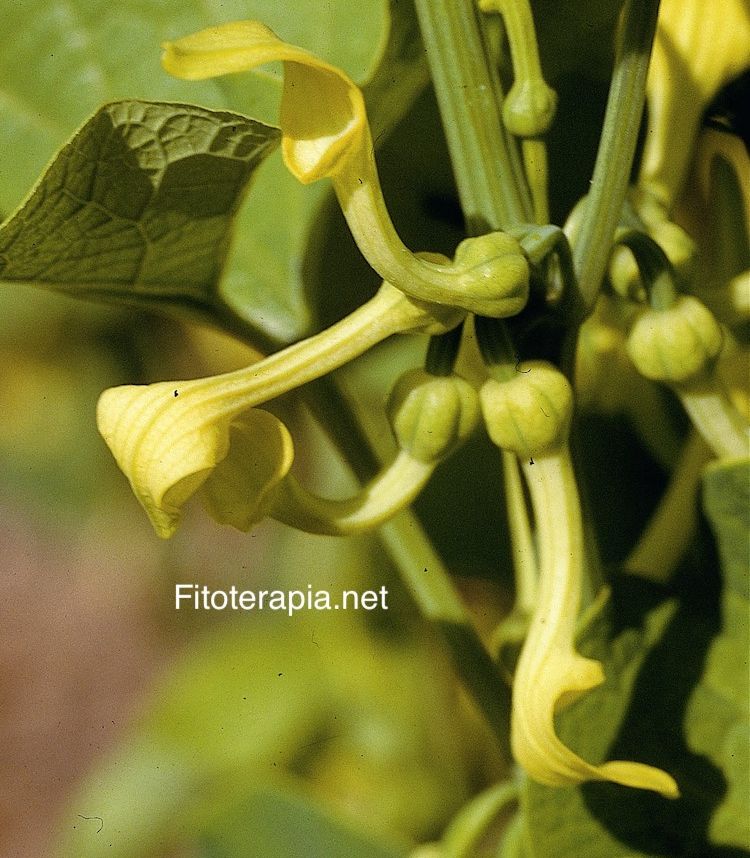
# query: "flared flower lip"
168,438
323,117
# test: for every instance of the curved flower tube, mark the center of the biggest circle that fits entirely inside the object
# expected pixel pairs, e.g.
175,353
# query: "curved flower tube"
325,134
528,413
550,673
699,47
430,416
168,437
390,491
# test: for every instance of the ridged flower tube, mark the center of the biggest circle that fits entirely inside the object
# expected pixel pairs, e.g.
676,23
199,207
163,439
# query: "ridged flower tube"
325,134
430,416
528,412
168,437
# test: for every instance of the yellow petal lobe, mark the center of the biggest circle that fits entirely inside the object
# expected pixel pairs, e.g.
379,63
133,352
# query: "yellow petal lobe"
699,47
167,438
550,673
322,114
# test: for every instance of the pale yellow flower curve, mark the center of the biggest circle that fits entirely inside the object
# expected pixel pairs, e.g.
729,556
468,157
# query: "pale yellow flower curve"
550,673
325,134
527,410
241,489
169,437
322,116
700,46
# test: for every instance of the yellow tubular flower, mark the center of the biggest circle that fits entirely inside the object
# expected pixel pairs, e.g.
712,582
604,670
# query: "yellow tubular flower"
550,673
323,117
395,487
325,134
168,437
528,413
699,47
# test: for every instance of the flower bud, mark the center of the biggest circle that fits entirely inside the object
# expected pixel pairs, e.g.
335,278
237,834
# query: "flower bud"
494,275
676,344
530,413
431,415
529,107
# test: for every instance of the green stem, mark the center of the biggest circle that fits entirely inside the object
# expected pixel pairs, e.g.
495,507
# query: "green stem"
538,244
427,579
523,551
495,345
534,153
466,829
334,411
485,160
443,351
655,269
614,158
671,529
609,184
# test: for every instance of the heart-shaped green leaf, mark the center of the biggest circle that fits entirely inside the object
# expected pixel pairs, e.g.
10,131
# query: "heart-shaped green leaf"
137,207
100,51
